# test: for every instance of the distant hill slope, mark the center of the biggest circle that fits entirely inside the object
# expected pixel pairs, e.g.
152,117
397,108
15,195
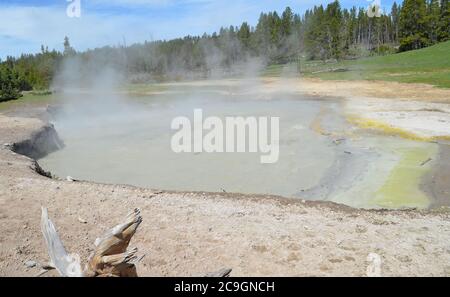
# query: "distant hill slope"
429,65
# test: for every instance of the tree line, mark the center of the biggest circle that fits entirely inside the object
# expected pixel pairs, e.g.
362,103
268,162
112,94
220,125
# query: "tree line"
323,32
28,72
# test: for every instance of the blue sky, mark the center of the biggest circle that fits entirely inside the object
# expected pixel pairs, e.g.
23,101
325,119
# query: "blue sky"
26,24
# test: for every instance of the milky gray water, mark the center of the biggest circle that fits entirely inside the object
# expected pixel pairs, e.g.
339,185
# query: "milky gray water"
128,142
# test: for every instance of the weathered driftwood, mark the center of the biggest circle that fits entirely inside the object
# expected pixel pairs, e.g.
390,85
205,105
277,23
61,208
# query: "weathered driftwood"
66,264
426,161
110,257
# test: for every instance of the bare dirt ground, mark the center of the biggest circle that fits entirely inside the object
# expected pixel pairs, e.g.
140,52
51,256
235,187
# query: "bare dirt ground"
368,89
190,234
334,88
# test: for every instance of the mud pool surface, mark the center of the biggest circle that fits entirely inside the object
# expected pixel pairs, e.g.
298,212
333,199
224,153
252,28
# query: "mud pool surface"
322,157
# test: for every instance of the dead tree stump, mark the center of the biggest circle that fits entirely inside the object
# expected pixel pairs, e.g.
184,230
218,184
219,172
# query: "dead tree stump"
110,257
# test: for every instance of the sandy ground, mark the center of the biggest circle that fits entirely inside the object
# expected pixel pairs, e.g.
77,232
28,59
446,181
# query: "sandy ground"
375,89
189,234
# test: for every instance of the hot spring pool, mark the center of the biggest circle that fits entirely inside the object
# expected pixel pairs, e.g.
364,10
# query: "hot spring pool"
129,142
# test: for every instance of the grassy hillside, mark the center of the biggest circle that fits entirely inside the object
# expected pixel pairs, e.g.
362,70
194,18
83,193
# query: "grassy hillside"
429,65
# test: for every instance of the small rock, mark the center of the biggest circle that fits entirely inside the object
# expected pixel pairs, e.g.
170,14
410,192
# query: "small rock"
260,248
404,258
81,220
30,264
69,178
349,258
293,257
48,266
361,229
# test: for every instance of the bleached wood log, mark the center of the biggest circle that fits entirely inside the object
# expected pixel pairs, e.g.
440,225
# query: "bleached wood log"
111,257
66,264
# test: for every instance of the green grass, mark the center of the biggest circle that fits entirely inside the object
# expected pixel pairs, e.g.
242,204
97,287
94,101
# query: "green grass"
273,71
430,65
29,99
144,88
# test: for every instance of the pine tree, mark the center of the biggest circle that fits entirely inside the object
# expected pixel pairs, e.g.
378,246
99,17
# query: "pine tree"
244,34
433,19
334,26
9,83
287,19
351,27
413,25
443,33
395,15
262,36
68,49
274,28
316,40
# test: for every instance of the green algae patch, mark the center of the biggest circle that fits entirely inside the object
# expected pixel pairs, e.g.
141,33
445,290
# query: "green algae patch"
402,187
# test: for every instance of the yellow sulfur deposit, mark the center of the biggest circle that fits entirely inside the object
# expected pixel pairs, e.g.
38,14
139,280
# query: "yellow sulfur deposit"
402,187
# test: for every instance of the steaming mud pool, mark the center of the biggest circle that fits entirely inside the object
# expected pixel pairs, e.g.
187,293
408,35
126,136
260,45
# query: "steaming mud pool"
321,156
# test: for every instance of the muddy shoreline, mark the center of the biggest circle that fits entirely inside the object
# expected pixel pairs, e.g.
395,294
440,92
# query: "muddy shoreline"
437,181
44,140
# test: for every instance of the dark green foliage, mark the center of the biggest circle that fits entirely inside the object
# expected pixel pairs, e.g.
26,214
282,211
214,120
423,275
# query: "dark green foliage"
395,15
316,41
443,33
9,83
27,72
414,25
433,20
335,33
244,35
68,49
35,71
